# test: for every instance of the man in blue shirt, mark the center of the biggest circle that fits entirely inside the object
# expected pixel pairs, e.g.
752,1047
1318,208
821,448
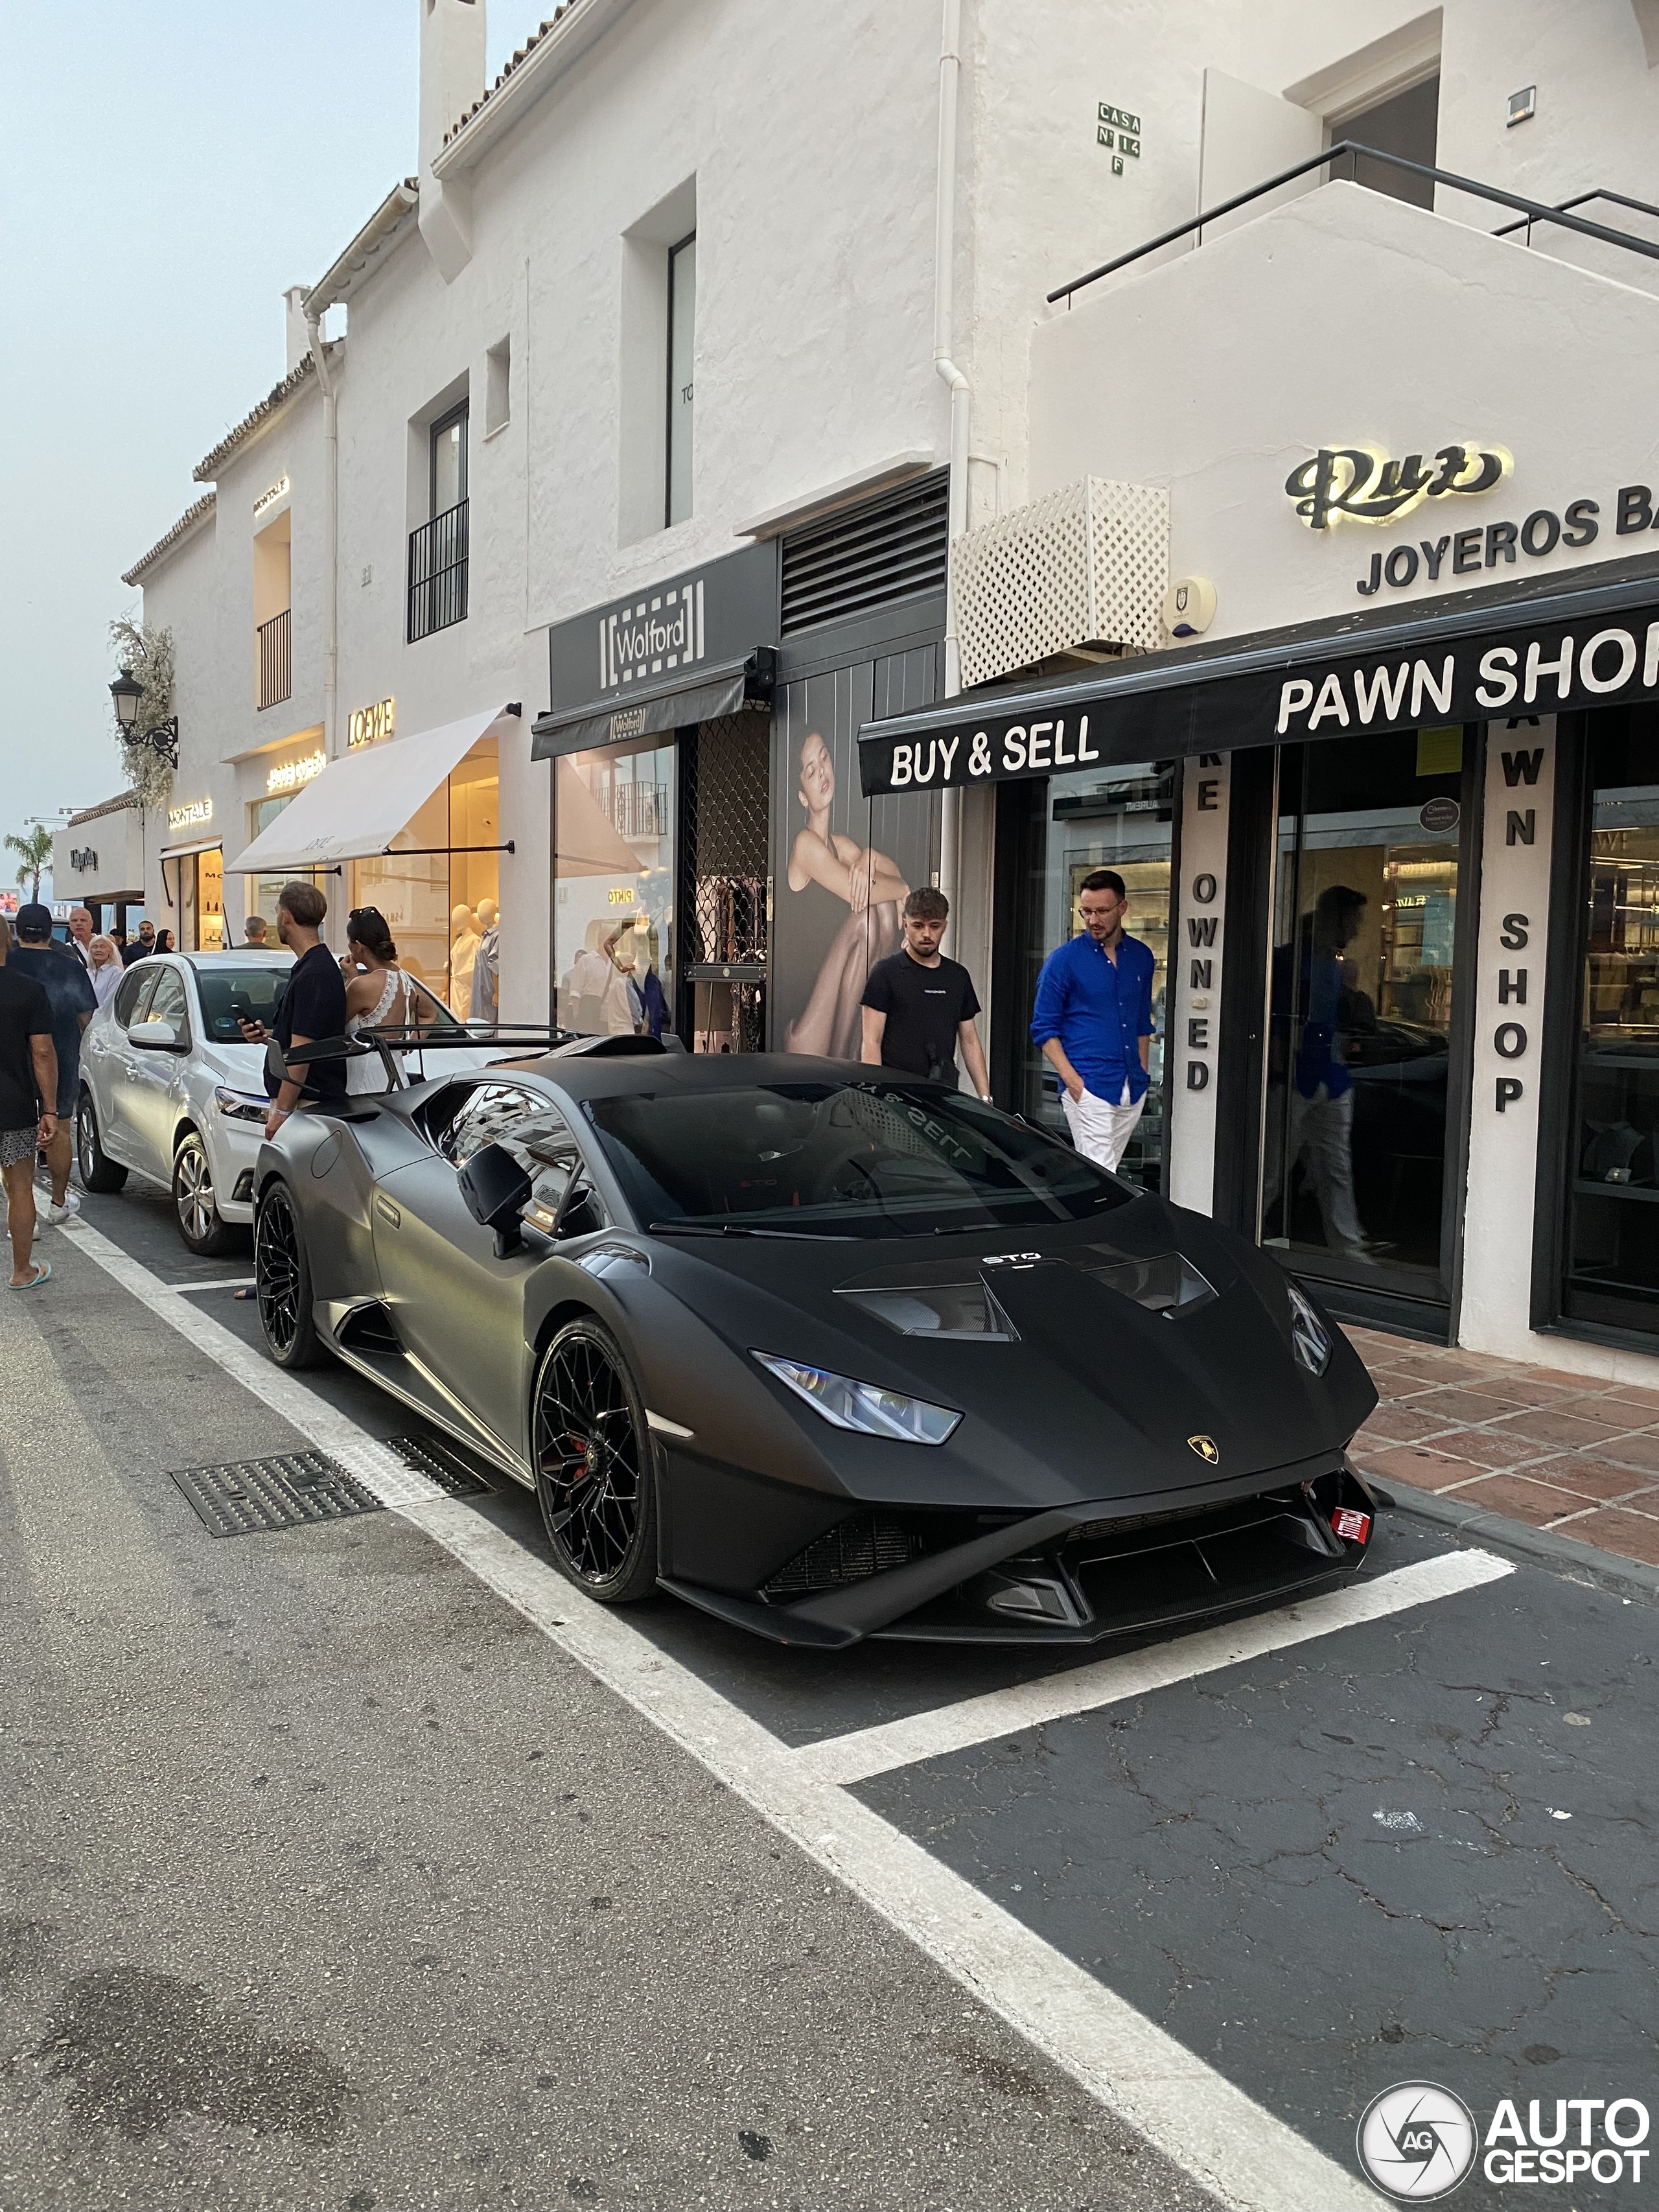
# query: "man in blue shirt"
1093,1022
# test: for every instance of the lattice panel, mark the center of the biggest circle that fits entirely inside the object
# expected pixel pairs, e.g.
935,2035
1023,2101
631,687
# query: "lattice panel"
727,838
1088,565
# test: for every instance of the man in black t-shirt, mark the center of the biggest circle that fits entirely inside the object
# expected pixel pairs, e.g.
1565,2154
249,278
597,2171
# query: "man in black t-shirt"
29,1092
314,1007
918,1006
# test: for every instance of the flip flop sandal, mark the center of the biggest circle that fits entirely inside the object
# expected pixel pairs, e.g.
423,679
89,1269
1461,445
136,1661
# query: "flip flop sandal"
43,1270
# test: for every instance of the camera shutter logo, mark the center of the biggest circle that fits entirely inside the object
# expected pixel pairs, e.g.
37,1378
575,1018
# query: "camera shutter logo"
1416,2141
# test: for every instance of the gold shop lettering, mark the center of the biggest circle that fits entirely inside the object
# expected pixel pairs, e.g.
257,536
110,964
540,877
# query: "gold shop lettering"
366,724
1364,485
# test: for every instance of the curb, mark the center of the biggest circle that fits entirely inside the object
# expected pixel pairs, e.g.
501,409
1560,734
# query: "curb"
1629,1577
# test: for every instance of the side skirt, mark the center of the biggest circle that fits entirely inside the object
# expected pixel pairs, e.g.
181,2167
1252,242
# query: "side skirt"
402,1377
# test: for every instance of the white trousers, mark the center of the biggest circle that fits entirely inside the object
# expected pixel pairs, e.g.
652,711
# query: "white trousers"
1101,1131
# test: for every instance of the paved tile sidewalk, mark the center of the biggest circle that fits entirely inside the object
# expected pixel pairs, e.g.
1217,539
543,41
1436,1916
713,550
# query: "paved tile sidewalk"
1564,1452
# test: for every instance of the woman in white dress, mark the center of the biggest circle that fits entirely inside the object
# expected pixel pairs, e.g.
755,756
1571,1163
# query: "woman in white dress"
378,997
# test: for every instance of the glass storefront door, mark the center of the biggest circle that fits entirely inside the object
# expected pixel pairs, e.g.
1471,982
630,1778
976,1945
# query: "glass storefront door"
1357,1128
1611,1246
615,962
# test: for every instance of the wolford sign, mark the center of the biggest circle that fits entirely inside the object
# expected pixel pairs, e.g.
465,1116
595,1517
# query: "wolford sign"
659,631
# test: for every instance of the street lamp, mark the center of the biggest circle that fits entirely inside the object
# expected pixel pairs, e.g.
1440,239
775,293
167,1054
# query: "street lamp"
126,691
161,737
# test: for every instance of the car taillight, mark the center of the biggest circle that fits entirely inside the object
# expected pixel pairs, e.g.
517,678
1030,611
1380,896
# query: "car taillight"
1351,1525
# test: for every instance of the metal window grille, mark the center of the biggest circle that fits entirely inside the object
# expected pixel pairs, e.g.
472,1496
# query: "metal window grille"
437,573
639,810
276,660
896,547
726,798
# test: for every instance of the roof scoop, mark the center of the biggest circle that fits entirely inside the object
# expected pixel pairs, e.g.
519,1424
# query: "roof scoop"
1167,1284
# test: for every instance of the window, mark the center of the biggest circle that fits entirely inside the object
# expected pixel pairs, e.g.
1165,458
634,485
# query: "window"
498,387
1406,123
682,359
535,1132
126,997
438,549
167,1003
272,593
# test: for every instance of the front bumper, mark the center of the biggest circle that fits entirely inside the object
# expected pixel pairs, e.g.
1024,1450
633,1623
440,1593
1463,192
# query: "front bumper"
1079,1574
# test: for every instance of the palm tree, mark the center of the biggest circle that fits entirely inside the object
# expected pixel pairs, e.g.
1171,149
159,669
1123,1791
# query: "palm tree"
33,848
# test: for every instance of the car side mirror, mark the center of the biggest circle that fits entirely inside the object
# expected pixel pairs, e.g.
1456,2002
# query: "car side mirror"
496,1191
154,1036
579,1212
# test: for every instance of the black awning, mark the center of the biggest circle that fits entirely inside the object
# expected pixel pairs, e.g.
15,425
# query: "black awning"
725,689
1556,641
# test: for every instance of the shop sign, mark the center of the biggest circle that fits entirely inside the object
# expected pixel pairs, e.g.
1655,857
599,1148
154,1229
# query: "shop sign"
83,860
288,775
1362,484
191,815
269,497
366,724
705,618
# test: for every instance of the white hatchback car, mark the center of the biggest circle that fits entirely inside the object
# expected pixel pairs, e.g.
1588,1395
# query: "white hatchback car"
170,1091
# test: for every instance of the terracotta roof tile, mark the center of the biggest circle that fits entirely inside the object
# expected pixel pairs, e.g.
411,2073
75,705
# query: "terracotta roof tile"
518,58
186,522
207,470
122,798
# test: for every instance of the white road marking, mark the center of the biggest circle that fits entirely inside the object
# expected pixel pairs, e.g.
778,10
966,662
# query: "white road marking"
1244,2155
856,1758
220,1283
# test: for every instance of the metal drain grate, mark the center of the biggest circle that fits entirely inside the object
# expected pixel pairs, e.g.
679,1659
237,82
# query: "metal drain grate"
440,1464
285,1490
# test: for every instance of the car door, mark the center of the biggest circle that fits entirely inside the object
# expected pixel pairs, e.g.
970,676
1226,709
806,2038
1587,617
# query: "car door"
106,1064
157,1089
457,1307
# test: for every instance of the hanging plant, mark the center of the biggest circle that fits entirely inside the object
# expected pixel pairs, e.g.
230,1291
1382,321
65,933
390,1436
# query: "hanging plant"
148,748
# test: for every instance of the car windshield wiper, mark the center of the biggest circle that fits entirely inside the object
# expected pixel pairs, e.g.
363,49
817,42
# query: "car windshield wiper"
743,1228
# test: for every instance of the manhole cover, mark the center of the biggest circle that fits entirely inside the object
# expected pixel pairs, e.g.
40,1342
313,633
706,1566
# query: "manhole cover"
284,1490
440,1464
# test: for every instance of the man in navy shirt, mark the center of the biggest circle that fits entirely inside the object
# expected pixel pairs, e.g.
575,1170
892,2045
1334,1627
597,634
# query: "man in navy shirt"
1093,1022
314,1007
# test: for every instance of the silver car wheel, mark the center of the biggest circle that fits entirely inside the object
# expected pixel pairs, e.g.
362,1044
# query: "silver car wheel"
192,1190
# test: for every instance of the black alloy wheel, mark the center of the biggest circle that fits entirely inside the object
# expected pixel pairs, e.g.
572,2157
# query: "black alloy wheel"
98,1172
594,1473
195,1204
283,1278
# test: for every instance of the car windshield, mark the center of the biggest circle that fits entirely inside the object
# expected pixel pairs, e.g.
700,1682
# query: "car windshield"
254,994
853,1159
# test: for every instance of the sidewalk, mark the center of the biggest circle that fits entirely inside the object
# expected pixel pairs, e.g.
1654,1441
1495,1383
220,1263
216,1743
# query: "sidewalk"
1563,1452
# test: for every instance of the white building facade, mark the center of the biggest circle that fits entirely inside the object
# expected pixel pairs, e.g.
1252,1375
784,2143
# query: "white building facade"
569,576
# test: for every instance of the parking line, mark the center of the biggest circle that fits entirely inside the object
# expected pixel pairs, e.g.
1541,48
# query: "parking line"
856,1757
219,1283
1244,2155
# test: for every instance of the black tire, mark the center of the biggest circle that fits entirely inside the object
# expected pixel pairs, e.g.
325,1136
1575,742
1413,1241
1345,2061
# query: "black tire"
99,1173
282,1274
594,1465
195,1205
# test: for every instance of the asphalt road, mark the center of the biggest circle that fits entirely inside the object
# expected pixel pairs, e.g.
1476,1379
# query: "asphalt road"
331,1877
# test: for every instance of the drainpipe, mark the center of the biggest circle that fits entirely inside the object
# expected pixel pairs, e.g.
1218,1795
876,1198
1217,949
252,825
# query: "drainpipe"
944,243
331,534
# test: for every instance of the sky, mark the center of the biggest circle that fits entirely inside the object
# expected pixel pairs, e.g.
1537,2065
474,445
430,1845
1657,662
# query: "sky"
168,169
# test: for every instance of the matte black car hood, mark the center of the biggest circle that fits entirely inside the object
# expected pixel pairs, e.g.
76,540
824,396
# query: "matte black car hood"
1096,1385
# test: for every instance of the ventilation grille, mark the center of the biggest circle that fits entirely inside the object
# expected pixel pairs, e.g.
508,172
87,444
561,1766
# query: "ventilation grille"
896,547
854,1549
726,834
1088,566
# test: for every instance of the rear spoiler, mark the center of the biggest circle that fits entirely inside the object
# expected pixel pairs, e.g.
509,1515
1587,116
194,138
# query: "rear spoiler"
515,1040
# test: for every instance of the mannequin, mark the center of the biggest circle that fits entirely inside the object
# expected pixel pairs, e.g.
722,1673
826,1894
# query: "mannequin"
463,952
484,1004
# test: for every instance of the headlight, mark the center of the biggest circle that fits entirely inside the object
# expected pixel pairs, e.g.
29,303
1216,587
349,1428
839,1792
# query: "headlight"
240,1105
1309,1336
861,1406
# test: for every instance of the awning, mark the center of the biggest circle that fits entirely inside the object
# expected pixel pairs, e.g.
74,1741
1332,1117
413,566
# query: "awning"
725,689
360,802
1560,640
182,852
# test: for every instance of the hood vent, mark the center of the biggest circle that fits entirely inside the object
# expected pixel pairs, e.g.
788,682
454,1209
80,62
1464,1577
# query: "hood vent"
896,547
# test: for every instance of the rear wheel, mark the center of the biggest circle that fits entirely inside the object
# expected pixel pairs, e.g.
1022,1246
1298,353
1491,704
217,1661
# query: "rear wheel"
592,1453
282,1275
195,1205
98,1172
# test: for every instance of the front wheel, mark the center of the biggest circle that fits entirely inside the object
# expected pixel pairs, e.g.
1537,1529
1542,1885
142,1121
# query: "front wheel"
195,1205
282,1276
593,1455
99,1173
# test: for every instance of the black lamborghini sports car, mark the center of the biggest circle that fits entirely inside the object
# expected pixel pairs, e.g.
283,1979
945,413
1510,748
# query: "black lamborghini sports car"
830,1353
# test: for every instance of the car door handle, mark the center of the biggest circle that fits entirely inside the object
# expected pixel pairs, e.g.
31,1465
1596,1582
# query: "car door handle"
387,1212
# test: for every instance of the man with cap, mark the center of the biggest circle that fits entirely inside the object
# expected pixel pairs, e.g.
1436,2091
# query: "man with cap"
73,1002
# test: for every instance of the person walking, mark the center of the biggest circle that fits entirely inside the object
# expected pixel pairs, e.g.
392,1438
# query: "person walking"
1092,1022
28,1089
105,970
79,935
314,1007
378,997
163,941
255,930
136,947
918,1007
69,992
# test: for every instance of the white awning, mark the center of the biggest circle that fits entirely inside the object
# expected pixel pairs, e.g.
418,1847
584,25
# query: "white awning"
360,802
191,845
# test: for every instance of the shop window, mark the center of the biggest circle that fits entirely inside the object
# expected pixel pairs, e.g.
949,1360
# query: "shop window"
1611,1200
1353,1173
440,892
614,961
438,550
682,360
1406,123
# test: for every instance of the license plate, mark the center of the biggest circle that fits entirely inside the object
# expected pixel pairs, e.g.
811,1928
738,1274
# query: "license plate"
1352,1526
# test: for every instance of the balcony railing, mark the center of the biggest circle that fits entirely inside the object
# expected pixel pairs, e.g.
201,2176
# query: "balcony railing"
437,573
276,660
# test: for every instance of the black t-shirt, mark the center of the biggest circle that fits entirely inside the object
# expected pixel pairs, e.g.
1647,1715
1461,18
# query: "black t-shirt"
924,1008
315,1004
25,1012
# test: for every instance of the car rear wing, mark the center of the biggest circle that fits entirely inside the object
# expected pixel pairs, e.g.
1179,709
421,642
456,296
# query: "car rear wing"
503,1041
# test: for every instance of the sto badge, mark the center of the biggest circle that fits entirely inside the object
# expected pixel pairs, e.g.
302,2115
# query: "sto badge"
1207,1450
